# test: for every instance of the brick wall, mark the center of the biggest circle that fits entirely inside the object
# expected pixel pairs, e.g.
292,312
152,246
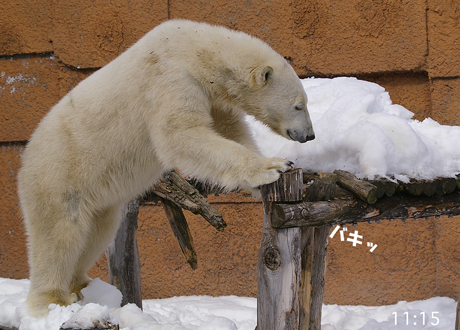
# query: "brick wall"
412,48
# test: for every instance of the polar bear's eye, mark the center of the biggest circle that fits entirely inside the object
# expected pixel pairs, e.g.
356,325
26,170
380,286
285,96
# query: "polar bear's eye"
299,107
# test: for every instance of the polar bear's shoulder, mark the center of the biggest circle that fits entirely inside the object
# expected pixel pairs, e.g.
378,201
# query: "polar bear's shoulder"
184,36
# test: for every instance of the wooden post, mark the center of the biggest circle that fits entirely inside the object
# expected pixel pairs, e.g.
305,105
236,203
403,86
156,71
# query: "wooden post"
318,253
180,229
291,264
280,273
322,189
123,257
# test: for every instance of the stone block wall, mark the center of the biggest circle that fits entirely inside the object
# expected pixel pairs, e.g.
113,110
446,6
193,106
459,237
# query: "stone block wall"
412,48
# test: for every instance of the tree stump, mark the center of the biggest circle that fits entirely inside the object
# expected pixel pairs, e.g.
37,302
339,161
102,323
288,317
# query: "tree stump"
291,264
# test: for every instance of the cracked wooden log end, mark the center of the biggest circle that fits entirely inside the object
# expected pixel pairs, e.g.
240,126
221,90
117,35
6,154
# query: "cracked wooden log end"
362,189
284,190
322,188
176,189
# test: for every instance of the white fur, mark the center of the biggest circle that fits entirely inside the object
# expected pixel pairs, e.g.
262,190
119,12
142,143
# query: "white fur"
174,99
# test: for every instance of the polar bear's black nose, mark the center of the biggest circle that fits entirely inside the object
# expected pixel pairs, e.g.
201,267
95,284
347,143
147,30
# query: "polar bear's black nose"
300,136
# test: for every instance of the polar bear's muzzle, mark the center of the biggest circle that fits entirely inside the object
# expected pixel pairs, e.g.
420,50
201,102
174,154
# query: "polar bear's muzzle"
301,136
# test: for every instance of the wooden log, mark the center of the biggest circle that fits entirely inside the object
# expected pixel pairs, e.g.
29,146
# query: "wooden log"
284,189
123,257
290,274
446,186
380,188
279,268
309,176
351,210
439,186
317,251
390,186
362,189
430,187
176,189
181,231
414,187
323,187
310,213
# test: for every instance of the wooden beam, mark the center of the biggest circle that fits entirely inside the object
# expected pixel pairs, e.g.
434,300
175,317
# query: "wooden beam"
123,257
176,189
181,231
351,210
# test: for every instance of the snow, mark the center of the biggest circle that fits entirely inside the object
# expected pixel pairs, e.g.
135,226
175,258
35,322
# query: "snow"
208,313
360,130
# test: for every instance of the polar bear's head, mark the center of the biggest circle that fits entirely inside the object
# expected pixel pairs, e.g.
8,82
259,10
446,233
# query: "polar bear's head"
276,98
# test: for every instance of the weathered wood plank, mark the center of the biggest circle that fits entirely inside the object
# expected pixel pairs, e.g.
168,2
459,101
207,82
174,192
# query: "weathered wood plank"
351,210
176,189
123,257
181,231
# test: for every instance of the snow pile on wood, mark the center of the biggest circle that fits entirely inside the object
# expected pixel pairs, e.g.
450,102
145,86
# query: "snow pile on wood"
358,129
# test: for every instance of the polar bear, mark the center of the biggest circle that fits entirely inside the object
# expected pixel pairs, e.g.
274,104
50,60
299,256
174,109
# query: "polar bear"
175,99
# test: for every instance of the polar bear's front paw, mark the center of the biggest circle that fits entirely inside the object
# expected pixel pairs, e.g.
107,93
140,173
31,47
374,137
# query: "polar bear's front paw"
270,171
281,165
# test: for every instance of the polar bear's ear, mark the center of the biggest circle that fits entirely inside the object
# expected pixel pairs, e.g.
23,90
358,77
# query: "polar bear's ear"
262,75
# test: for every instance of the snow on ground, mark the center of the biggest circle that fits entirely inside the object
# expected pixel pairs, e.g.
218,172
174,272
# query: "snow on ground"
210,313
360,130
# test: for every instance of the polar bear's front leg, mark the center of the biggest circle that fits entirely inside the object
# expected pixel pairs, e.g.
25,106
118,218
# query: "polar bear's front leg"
203,153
